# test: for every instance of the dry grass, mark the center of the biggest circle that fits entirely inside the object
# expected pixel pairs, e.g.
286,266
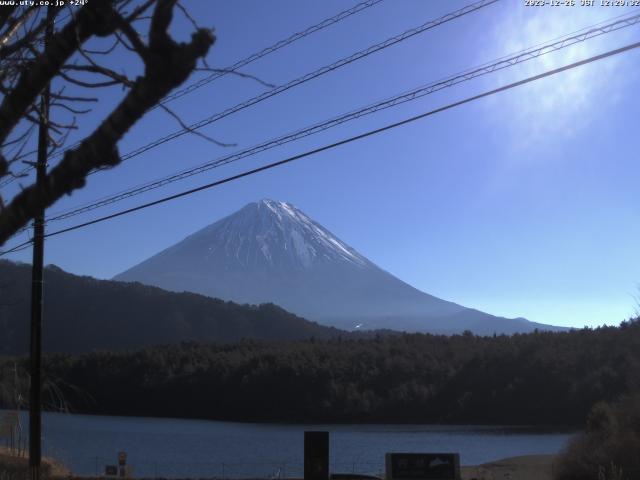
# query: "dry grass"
528,467
608,450
16,468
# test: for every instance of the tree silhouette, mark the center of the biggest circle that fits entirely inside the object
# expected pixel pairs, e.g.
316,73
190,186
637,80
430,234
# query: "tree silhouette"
27,67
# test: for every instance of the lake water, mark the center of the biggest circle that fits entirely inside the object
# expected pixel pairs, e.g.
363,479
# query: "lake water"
199,448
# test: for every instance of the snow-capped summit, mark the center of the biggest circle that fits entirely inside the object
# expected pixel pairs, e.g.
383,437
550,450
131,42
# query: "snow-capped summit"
278,229
270,251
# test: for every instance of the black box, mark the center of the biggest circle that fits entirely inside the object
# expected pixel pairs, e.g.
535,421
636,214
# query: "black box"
316,455
422,466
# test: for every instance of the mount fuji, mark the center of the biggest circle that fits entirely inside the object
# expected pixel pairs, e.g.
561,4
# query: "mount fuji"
271,252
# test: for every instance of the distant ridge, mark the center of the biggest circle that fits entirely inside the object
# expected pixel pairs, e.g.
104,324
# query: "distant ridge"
83,314
270,251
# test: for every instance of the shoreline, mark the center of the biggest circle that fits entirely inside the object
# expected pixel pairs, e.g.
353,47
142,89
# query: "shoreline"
551,428
524,467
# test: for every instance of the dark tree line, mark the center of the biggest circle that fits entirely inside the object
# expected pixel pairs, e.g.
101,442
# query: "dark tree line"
85,314
541,378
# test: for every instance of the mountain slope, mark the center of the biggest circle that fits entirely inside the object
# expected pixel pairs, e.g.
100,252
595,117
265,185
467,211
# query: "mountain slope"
84,314
270,251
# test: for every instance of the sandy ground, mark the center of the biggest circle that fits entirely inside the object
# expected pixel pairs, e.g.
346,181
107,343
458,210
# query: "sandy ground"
528,467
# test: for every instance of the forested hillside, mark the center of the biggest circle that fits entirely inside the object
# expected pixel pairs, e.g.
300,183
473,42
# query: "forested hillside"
84,314
539,378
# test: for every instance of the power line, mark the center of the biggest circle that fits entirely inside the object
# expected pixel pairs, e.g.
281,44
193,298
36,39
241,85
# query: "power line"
9,180
300,80
308,153
327,22
411,95
312,75
17,248
272,48
326,69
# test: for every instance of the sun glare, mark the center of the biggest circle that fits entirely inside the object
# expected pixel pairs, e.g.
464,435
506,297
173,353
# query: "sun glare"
564,104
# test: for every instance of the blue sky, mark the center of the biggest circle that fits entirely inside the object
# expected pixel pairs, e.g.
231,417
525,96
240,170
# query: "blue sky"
521,204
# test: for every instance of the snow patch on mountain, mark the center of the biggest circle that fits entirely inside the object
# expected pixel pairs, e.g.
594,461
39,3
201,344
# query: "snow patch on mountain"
309,240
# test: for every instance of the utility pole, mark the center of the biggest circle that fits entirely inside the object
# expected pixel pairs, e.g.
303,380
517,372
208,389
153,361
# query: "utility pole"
35,366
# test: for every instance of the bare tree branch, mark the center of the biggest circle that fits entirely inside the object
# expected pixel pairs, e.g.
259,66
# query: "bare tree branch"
5,14
107,72
81,83
95,18
15,25
59,96
237,73
69,109
106,51
167,65
191,130
140,10
26,40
